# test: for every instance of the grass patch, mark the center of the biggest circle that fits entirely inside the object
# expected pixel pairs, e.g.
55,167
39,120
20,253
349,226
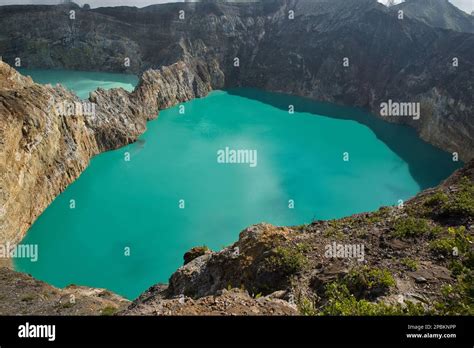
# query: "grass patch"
410,264
333,232
109,310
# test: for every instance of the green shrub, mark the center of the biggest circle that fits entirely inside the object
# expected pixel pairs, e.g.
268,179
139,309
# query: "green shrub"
458,299
341,302
458,240
437,199
368,281
307,307
443,246
462,202
334,232
410,227
287,260
109,310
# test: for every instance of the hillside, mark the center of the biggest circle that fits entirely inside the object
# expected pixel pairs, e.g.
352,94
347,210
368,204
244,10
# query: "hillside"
437,13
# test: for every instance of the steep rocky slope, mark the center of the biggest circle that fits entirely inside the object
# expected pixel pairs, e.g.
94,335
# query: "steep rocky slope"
437,13
402,60
43,149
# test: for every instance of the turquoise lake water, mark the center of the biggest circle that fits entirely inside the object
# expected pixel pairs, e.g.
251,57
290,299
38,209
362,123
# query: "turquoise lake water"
134,205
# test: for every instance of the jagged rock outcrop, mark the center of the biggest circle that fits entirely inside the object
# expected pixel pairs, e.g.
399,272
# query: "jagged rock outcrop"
223,302
43,149
402,60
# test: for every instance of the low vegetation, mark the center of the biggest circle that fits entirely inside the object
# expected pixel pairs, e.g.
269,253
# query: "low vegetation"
461,203
408,227
410,264
109,310
457,243
340,301
457,204
368,281
288,260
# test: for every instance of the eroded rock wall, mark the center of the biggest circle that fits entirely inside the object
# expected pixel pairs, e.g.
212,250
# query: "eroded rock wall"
43,150
405,60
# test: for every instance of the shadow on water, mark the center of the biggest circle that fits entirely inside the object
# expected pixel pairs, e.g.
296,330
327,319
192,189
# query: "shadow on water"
138,145
427,164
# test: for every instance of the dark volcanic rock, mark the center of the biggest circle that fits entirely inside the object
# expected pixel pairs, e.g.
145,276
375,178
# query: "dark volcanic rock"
437,13
402,60
194,253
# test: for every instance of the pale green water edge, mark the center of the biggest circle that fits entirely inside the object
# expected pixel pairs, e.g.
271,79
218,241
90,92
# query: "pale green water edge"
135,204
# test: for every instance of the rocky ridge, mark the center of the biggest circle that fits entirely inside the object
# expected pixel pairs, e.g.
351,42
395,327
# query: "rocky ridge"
437,13
409,60
43,150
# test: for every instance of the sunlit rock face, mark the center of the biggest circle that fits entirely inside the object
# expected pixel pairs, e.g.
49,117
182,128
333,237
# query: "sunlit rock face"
42,150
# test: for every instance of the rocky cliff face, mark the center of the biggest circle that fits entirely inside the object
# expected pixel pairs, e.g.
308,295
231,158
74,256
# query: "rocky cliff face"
437,13
405,60
43,149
